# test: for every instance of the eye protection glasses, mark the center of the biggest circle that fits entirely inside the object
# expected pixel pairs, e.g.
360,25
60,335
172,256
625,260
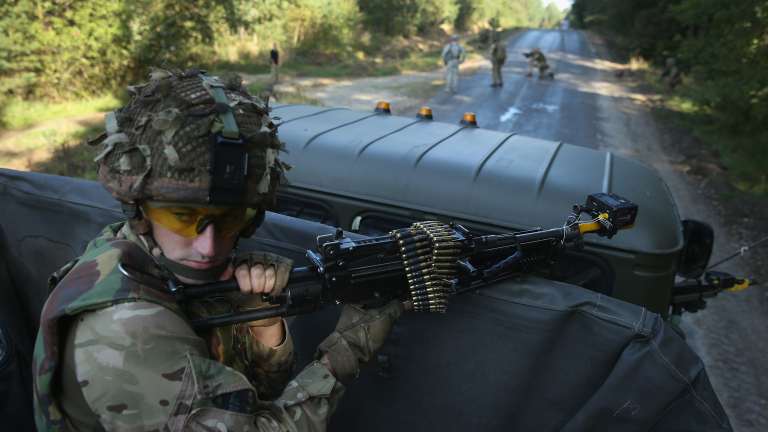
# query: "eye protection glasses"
189,221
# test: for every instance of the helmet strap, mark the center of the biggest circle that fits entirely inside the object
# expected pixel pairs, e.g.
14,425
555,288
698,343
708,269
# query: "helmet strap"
133,213
172,268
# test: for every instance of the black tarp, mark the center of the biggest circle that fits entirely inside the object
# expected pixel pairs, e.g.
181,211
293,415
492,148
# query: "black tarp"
524,354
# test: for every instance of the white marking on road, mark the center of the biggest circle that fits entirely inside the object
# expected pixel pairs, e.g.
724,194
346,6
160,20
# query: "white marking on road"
509,114
549,108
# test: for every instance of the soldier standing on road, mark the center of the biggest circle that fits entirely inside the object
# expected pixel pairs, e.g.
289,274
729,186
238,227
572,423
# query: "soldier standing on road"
498,56
671,76
274,60
119,353
537,60
453,55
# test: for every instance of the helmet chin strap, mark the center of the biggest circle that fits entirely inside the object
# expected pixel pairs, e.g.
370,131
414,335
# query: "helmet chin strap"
174,268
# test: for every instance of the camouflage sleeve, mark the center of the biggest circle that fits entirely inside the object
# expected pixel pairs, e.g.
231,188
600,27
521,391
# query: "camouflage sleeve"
271,368
141,367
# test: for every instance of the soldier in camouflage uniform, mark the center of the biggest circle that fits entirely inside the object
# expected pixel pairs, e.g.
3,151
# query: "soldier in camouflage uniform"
498,56
538,61
119,353
453,55
671,76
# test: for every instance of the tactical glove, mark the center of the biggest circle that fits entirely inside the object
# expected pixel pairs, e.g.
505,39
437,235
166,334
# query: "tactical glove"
359,337
247,302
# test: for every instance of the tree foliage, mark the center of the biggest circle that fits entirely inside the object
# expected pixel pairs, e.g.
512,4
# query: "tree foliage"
726,46
721,44
57,49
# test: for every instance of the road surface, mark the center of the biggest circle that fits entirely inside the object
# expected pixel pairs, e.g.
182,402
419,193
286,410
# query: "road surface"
587,105
556,110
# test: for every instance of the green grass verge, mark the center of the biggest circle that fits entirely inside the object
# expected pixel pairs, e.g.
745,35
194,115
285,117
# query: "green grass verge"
59,150
407,60
299,97
20,114
743,154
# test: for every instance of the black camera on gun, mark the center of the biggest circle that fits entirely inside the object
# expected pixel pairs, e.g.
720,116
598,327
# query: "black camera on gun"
621,212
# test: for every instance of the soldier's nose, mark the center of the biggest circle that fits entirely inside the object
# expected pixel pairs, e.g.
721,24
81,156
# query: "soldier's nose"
205,243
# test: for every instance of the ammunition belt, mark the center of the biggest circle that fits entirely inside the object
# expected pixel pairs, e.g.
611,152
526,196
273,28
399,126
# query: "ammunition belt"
429,254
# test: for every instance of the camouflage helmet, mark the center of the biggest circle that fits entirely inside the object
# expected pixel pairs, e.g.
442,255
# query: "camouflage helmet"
186,137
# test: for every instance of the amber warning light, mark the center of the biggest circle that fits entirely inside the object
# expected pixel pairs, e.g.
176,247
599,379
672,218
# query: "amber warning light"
425,113
383,107
469,119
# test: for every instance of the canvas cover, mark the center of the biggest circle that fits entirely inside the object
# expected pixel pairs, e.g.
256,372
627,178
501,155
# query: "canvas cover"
524,354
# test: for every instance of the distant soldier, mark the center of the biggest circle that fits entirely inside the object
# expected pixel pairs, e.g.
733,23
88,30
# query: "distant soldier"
274,60
537,60
671,76
498,56
453,55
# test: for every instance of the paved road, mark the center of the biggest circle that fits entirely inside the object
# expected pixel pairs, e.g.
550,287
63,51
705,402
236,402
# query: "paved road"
556,110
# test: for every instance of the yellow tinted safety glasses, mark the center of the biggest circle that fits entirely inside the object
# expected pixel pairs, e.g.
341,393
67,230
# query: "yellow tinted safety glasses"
189,221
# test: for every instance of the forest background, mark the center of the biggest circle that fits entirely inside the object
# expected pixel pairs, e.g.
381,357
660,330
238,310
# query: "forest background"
721,47
58,50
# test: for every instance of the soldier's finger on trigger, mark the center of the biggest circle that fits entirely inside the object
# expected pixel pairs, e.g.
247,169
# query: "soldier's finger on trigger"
242,274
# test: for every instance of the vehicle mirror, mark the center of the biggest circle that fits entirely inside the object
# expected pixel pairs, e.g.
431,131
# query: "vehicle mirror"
698,240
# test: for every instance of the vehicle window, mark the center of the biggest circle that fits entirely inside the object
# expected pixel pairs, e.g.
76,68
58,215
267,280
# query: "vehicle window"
307,209
573,267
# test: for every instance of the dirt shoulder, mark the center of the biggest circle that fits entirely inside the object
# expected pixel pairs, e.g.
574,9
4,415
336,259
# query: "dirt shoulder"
730,335
404,92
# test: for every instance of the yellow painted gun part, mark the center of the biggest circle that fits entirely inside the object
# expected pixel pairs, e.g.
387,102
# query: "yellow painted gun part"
739,286
592,226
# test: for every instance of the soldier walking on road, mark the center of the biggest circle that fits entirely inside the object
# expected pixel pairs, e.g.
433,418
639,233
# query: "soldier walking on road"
274,60
671,76
498,56
537,59
453,55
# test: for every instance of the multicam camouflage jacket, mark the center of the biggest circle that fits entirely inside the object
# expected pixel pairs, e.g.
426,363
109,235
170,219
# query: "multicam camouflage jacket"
113,354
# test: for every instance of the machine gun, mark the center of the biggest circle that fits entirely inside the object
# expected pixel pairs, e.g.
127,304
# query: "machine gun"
429,261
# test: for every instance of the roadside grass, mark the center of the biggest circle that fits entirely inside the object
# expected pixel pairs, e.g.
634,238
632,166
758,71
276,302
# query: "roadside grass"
59,150
405,59
743,155
20,114
299,97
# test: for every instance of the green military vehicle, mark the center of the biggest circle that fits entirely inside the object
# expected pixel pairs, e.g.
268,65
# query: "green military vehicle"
371,172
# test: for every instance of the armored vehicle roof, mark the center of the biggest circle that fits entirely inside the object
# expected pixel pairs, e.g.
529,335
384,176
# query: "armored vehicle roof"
465,172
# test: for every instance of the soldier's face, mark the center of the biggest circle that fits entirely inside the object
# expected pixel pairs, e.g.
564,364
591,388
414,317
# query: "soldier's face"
207,250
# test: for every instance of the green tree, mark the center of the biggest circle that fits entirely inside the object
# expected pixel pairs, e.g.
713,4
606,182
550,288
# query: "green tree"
726,48
552,16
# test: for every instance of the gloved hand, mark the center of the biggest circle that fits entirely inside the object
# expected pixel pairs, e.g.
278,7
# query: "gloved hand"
359,337
255,277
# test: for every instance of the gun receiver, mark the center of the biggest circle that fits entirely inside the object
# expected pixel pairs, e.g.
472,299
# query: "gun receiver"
428,262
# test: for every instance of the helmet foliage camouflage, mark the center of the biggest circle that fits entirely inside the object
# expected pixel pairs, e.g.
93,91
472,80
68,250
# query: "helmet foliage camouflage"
186,137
